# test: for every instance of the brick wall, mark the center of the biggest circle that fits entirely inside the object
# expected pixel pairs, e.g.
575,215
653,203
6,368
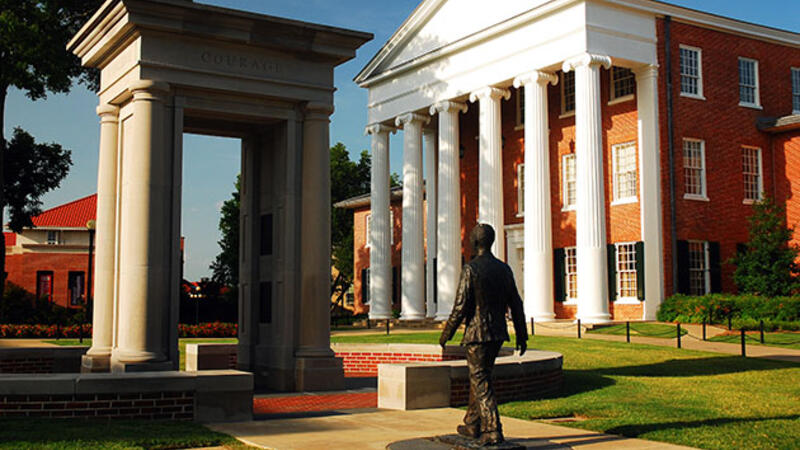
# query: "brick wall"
148,406
366,363
511,388
22,269
27,365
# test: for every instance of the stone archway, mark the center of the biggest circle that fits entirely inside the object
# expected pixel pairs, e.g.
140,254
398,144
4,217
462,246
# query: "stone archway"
173,66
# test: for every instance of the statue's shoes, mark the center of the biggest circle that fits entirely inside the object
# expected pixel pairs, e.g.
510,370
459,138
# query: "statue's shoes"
468,431
491,438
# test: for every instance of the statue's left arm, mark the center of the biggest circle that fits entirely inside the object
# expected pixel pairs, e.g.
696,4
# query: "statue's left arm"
463,300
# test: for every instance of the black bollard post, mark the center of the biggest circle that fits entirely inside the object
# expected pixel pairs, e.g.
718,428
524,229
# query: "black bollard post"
679,335
579,328
744,353
704,329
761,327
387,327
628,332
532,329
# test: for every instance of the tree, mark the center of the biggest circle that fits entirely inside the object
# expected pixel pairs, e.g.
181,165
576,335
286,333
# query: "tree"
348,179
225,268
34,59
767,263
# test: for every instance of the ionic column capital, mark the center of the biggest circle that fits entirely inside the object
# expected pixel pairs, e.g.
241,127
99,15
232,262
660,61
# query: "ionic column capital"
108,113
536,76
149,90
378,128
408,118
646,71
448,106
318,111
489,92
586,59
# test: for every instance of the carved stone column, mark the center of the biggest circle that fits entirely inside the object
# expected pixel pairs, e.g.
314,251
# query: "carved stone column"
538,266
650,188
490,163
431,157
98,358
380,237
590,226
413,289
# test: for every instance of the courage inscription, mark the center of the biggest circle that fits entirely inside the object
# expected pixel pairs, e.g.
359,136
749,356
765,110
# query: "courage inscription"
239,62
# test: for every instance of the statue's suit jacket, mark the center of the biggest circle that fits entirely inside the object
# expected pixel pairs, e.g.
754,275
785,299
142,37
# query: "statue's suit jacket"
485,292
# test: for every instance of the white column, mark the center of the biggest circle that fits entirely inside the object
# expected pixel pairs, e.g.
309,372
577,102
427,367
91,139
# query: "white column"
650,188
538,266
429,138
590,223
448,251
490,163
145,220
380,253
413,289
98,357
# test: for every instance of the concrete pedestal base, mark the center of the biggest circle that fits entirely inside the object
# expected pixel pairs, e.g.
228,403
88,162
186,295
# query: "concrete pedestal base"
95,364
319,374
122,367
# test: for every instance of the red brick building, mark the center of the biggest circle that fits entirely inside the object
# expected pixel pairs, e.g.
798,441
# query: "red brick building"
688,119
51,260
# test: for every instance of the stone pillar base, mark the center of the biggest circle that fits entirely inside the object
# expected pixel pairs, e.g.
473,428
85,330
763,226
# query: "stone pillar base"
319,374
595,319
544,317
123,367
95,363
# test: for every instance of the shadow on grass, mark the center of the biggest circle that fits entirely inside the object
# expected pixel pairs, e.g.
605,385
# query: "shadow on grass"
640,429
719,365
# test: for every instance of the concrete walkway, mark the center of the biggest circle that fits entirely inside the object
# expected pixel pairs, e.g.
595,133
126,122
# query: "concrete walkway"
375,429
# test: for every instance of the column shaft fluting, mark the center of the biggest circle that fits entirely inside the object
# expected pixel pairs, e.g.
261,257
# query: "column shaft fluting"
490,163
145,219
105,241
448,252
650,188
429,137
412,284
538,262
590,224
380,253
315,237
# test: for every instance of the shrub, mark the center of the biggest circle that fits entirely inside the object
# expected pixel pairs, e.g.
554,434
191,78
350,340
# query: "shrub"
39,331
212,329
746,310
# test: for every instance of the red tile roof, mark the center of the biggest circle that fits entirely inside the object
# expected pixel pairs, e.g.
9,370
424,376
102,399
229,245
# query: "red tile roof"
74,214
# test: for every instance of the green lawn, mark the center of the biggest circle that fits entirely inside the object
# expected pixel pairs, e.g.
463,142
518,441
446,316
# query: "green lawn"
664,394
181,344
657,330
787,340
81,434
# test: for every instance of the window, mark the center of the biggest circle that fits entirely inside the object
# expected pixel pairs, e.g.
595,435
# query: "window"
796,90
521,107
623,83
520,190
53,238
567,92
748,82
568,176
571,271
369,228
626,271
691,72
624,162
699,280
44,285
751,169
694,169
75,288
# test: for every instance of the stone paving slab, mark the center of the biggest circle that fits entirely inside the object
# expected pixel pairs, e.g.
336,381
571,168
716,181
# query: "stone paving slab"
377,429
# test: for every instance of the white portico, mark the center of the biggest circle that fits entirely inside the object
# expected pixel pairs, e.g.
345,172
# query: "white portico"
453,55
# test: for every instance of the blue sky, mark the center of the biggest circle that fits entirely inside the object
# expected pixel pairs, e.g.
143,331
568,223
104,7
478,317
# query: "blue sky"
211,164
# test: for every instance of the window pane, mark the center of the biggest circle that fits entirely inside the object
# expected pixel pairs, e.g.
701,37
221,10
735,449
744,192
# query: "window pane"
751,170
795,89
698,269
747,81
521,188
624,83
624,156
626,271
569,91
690,71
693,170
571,268
569,180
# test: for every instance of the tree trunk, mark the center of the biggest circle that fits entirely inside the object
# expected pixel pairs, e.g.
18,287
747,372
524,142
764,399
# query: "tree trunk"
3,94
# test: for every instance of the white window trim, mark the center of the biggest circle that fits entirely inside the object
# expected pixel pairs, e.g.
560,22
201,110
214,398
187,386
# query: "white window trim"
704,196
616,100
618,299
757,95
706,267
570,300
792,71
520,123
565,207
367,228
564,112
633,198
699,95
750,201
520,190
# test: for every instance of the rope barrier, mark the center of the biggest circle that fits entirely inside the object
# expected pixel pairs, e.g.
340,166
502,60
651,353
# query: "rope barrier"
562,327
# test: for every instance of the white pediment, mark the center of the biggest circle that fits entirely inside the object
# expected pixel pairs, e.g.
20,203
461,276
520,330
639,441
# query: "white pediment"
436,23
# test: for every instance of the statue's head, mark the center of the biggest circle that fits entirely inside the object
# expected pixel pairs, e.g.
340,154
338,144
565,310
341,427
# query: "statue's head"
482,238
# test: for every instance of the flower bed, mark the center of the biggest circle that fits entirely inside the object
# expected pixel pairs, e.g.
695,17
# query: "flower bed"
212,329
215,329
746,311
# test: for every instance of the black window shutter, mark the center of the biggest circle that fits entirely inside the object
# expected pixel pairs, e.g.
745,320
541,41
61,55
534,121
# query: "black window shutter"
640,270
611,256
559,273
364,287
715,271
395,287
683,267
741,248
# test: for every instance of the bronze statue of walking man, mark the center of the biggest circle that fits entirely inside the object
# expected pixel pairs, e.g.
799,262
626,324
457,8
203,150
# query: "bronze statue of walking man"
486,292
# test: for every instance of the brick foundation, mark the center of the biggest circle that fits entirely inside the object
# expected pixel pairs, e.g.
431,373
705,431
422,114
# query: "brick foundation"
146,406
